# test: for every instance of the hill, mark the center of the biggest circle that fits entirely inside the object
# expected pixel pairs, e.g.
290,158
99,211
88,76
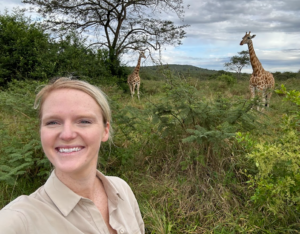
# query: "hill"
153,72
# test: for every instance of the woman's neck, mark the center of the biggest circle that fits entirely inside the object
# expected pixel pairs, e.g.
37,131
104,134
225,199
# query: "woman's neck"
87,185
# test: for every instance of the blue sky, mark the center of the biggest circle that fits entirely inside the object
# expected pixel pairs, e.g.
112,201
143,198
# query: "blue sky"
217,27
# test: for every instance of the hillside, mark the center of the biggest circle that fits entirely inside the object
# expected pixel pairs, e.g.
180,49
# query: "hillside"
152,72
180,68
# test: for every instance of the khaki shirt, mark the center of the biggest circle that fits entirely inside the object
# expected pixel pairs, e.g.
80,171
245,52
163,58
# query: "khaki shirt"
55,209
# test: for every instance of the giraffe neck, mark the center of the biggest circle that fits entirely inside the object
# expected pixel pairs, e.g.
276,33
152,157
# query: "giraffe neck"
255,63
137,68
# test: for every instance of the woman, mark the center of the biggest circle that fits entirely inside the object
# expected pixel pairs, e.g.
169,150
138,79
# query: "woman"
74,119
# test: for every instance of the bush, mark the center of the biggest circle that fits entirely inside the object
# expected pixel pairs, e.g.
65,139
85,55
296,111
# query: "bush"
277,183
21,154
278,180
27,52
70,57
23,45
228,79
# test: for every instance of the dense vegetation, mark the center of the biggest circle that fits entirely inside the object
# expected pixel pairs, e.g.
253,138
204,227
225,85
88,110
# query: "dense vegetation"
198,157
28,52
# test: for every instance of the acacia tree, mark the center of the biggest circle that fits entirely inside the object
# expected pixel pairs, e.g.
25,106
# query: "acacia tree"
118,25
237,63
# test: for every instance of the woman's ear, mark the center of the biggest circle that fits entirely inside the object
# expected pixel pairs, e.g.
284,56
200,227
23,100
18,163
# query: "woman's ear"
106,132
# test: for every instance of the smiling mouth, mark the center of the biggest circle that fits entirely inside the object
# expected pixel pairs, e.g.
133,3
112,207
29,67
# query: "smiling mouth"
69,150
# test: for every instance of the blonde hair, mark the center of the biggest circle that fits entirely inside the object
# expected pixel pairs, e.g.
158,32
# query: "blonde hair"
67,83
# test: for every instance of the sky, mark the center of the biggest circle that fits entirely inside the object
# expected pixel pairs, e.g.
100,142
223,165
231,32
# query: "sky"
217,27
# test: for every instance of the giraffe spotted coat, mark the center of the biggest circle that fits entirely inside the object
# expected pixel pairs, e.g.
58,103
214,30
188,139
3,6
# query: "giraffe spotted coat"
134,79
261,81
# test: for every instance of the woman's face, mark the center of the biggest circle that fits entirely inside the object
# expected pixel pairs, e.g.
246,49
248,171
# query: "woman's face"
72,130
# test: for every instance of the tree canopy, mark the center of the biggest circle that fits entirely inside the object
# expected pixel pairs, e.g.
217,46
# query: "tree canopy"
118,25
238,62
27,52
22,46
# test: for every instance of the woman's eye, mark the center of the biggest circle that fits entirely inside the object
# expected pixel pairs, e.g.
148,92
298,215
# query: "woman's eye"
84,122
51,123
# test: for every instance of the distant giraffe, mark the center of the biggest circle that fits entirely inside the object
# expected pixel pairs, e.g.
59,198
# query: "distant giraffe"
260,79
134,78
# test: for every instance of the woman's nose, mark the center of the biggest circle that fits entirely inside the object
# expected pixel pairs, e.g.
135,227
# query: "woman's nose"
68,132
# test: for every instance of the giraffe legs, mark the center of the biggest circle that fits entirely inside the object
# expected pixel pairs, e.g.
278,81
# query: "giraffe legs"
252,91
138,90
263,99
264,94
268,97
131,90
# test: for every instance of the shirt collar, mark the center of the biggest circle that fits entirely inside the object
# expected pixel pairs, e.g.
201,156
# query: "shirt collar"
66,200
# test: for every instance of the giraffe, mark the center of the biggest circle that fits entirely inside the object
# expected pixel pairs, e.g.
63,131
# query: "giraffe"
134,78
260,80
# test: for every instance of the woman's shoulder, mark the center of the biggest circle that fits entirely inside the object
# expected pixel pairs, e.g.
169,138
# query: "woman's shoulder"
121,185
14,215
119,182
21,204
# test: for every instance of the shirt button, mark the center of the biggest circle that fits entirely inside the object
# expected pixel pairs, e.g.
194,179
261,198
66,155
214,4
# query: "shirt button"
121,230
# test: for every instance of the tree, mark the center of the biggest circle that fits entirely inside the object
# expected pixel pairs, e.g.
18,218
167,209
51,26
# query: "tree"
238,62
124,24
22,45
27,52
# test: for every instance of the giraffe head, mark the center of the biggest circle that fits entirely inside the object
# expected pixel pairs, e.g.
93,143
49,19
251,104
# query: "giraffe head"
142,54
247,38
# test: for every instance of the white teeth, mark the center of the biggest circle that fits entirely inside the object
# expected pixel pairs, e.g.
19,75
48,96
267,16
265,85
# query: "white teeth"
69,150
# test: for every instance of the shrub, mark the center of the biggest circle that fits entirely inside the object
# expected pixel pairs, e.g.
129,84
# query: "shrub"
21,153
228,79
23,45
278,180
277,183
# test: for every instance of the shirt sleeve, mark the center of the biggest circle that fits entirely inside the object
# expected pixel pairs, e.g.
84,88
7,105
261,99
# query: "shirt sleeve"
12,222
139,218
137,211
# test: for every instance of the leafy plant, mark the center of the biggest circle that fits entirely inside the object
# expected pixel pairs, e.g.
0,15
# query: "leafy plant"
22,45
228,79
20,148
278,180
277,183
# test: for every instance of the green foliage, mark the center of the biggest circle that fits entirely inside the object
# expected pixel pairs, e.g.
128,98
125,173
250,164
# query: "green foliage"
285,75
228,79
207,126
27,52
20,148
246,141
22,45
219,73
294,97
71,57
277,182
